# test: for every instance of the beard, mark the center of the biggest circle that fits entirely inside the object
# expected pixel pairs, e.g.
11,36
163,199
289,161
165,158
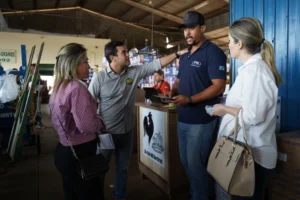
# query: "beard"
193,43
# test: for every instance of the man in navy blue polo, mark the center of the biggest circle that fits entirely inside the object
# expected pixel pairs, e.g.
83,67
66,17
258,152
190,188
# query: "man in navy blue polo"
200,81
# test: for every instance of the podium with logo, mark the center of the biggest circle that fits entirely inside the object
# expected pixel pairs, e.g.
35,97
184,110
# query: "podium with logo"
158,153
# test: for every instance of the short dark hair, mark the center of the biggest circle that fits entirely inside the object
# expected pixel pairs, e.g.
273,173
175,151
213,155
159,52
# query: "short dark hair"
160,72
111,49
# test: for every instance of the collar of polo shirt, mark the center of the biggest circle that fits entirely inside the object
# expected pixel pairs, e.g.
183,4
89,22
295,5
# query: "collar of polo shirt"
109,70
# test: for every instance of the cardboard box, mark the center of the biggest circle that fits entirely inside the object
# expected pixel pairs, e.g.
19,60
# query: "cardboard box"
285,184
288,145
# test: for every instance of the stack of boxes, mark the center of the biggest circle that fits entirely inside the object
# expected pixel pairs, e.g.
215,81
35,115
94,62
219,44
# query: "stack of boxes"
285,184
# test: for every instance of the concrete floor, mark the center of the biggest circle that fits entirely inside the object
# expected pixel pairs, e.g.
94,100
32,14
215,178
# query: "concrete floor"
36,178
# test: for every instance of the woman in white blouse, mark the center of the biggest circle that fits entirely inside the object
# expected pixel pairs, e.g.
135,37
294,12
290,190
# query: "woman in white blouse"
255,91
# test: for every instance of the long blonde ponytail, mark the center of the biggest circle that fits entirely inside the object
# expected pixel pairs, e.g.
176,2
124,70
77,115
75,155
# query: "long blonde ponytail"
250,32
267,54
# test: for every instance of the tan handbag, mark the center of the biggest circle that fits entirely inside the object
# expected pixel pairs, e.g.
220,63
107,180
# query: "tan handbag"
231,163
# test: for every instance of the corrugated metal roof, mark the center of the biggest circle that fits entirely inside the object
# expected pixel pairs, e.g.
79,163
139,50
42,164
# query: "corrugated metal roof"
114,17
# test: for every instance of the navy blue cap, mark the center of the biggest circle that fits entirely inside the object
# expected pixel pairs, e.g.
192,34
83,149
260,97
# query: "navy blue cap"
191,19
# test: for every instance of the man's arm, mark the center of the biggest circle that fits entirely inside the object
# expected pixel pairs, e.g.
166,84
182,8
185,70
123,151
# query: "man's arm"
157,64
164,61
216,89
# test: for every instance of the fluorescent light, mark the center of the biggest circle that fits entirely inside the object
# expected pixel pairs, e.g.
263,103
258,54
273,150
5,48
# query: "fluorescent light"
202,4
169,46
167,40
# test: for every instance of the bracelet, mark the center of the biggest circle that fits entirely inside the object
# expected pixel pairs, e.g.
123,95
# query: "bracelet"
177,55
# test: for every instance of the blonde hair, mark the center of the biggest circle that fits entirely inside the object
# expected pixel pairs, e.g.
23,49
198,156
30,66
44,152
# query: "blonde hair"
67,59
250,32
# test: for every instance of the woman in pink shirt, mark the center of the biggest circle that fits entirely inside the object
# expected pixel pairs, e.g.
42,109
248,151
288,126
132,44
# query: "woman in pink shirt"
74,116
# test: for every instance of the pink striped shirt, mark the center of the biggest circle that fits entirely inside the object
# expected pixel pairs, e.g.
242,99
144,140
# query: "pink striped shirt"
76,109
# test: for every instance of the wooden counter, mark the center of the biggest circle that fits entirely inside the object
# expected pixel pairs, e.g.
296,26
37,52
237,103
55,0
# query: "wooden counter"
158,154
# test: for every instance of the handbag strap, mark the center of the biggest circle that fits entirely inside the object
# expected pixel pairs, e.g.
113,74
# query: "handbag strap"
71,146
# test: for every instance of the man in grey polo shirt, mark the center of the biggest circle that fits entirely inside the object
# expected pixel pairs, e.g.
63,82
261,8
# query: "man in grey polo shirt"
115,88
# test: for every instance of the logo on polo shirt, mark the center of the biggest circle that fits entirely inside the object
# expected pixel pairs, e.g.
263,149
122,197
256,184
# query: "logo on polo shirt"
129,81
222,68
196,63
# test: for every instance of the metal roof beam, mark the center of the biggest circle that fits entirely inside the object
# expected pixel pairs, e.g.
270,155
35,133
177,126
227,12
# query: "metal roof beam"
154,11
156,7
119,21
38,11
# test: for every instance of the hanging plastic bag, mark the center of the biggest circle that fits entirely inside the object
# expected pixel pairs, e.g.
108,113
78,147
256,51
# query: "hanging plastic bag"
9,90
1,80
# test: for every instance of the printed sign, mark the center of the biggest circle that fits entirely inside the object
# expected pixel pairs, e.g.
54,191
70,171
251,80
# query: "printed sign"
152,124
8,56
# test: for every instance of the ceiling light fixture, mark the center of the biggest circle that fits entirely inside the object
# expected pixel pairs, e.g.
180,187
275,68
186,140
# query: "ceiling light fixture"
169,46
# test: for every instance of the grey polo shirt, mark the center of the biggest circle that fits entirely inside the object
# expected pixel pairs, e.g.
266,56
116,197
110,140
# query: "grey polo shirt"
116,93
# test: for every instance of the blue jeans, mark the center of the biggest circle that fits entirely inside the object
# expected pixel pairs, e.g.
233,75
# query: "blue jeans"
123,148
195,143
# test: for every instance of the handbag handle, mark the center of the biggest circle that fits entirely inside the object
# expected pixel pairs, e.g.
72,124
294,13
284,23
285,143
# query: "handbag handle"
235,133
237,127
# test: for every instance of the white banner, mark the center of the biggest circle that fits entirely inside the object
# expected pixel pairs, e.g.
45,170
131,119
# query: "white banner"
8,56
153,133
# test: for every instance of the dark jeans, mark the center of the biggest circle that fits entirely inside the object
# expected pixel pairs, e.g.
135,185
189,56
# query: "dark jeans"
76,188
123,148
261,176
195,141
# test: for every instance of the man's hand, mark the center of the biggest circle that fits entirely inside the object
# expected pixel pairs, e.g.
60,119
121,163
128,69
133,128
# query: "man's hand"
169,94
181,100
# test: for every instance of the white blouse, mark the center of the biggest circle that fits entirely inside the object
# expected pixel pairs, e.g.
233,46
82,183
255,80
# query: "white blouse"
256,92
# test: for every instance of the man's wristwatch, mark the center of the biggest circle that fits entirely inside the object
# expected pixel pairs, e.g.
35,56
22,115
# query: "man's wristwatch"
190,100
177,55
